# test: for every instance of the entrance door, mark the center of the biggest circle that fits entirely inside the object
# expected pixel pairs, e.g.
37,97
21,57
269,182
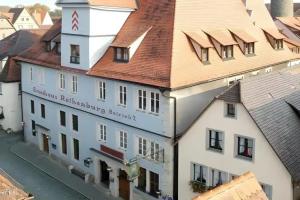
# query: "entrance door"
124,186
45,143
104,173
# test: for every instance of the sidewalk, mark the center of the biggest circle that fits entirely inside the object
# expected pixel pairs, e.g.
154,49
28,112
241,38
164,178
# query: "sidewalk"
44,163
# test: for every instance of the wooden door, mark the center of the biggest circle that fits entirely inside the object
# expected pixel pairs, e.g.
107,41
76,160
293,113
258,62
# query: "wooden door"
45,143
124,186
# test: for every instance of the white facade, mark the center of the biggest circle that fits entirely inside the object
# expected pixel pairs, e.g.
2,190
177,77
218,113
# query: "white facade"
10,106
193,149
25,21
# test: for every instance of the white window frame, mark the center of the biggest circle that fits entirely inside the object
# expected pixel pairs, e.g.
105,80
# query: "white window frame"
221,138
62,81
122,95
123,140
101,90
74,84
142,99
269,69
236,148
226,110
195,172
213,172
142,146
154,102
155,151
102,132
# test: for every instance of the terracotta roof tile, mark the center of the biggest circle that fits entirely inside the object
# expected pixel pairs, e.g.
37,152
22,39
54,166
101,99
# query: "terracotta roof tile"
53,31
222,36
243,35
274,33
202,41
114,3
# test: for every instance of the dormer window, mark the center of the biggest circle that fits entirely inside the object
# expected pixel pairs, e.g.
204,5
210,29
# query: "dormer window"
278,44
227,52
121,54
75,54
249,48
48,46
58,48
275,38
201,45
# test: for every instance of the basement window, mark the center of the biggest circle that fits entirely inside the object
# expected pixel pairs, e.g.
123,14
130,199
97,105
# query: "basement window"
121,54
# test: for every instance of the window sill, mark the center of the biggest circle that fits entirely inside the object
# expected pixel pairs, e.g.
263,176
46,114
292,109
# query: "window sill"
245,158
141,111
102,100
121,105
152,113
215,150
230,116
227,59
250,55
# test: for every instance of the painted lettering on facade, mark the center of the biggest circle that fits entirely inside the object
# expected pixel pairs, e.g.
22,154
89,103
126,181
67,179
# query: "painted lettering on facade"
70,101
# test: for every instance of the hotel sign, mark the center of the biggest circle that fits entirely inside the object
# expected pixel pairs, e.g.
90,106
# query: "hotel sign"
84,105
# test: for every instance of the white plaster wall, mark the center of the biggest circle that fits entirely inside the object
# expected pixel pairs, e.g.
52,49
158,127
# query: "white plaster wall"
47,20
10,100
266,165
27,24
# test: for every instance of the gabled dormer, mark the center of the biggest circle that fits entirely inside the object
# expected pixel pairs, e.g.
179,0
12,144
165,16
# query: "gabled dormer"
201,45
245,41
275,38
223,43
88,29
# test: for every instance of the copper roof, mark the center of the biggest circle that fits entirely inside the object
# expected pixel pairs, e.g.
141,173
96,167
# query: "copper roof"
165,58
241,188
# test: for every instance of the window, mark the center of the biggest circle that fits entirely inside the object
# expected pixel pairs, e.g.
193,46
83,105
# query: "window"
41,76
215,140
0,88
74,84
48,46
142,146
142,99
63,143
33,128
31,74
245,147
123,95
62,118
75,122
142,179
75,54
155,151
200,173
76,149
278,44
101,90
58,48
269,69
20,88
235,79
267,189
62,81
154,102
204,54
123,139
217,177
43,114
102,132
32,106
249,48
230,110
227,52
154,184
121,54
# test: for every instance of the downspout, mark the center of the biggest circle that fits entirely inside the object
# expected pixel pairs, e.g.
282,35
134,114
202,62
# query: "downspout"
22,114
175,148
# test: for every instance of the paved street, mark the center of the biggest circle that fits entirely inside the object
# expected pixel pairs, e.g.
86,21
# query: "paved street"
34,181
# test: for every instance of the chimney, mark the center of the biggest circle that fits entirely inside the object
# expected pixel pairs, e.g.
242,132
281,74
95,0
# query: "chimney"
282,8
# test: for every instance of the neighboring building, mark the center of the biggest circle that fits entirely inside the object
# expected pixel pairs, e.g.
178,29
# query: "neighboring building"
10,77
10,189
257,130
20,18
6,28
43,18
240,188
114,82
290,27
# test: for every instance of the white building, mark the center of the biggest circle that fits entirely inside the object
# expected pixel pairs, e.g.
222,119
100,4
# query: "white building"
43,18
115,82
253,126
10,77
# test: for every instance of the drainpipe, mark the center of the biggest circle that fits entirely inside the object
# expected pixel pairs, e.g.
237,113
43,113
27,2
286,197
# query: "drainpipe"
21,93
175,148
